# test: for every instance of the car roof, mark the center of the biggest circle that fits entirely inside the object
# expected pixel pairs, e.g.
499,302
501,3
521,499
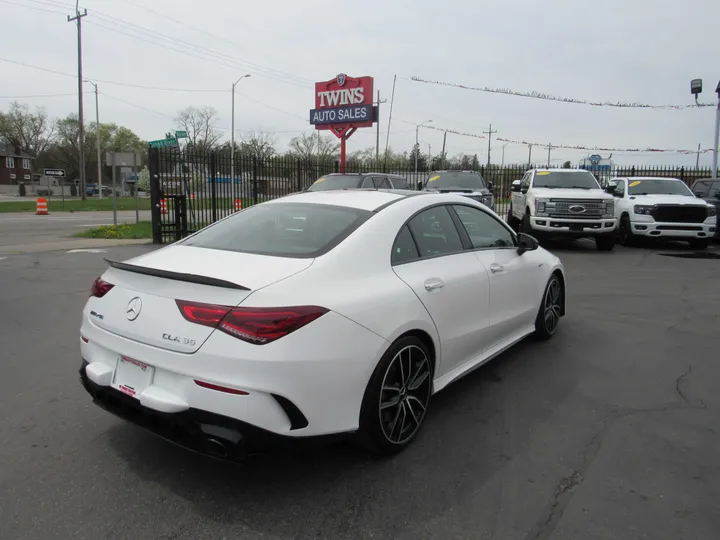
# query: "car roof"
560,170
649,178
359,174
363,199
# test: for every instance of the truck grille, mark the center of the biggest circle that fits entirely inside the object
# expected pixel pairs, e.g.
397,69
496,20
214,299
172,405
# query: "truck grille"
668,213
578,208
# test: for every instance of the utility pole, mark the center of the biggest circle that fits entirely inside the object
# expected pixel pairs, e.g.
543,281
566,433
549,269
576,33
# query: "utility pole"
717,136
232,137
377,121
529,156
387,137
443,150
697,158
489,133
549,148
81,143
97,138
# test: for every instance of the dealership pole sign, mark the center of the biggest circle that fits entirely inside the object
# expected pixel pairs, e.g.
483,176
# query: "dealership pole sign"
342,105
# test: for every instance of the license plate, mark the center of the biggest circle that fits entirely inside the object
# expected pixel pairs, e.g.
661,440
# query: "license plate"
132,376
576,227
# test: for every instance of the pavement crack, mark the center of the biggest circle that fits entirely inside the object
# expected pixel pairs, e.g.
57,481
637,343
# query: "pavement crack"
677,384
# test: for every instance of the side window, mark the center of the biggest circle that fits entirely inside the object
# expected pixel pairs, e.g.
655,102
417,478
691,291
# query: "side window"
483,229
384,183
714,190
368,182
620,188
435,232
404,249
700,189
526,179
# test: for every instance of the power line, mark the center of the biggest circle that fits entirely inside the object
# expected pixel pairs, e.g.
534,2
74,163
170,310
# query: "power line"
32,7
40,96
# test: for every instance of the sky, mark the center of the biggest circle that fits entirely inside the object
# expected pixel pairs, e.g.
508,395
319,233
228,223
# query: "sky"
644,51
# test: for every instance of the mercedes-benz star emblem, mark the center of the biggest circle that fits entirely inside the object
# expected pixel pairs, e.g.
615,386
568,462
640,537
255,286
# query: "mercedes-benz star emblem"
134,308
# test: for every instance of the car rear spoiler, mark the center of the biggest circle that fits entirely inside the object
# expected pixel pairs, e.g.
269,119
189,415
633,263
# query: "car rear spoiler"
177,276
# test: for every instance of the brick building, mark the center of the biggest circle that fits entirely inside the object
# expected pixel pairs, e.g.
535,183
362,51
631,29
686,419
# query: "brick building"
15,166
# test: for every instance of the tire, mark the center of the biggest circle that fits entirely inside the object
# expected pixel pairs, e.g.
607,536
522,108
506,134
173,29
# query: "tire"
525,226
396,398
625,234
605,242
512,221
699,244
548,317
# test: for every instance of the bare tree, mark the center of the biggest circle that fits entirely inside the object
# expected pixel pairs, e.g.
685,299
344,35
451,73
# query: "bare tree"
27,130
199,122
307,147
260,146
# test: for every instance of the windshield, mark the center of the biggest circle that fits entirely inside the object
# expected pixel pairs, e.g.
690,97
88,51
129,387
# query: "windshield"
336,181
658,186
565,179
455,180
282,229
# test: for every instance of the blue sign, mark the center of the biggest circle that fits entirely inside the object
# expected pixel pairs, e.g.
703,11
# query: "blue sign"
341,115
222,180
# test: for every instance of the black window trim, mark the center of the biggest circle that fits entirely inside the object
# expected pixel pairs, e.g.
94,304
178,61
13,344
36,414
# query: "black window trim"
362,216
465,235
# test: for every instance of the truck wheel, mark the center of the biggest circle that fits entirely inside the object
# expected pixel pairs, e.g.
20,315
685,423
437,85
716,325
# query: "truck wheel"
699,244
605,242
525,226
625,234
512,221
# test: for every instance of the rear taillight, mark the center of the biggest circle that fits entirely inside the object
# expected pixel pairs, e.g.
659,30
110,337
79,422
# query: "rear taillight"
253,325
100,288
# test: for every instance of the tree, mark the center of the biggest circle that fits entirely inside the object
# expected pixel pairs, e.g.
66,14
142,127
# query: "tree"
143,183
199,123
30,131
260,146
421,160
307,147
567,165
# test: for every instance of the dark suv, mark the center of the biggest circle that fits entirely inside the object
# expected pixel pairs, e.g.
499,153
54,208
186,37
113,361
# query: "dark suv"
358,180
709,189
468,183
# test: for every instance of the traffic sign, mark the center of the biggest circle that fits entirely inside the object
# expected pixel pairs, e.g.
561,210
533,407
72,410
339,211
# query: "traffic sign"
58,173
181,134
163,143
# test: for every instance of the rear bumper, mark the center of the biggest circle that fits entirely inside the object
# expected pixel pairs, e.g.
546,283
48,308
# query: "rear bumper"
573,227
197,430
688,231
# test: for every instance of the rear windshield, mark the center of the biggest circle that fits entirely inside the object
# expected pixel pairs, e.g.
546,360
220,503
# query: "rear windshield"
336,181
565,179
282,229
455,180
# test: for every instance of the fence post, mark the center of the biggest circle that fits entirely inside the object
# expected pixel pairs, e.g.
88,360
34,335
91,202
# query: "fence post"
255,181
632,171
337,166
682,173
213,186
299,175
155,194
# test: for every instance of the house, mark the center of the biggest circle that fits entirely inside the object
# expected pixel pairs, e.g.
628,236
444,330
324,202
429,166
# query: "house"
15,166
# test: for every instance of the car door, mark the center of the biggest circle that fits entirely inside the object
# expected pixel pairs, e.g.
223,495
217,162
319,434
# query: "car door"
430,258
513,278
619,194
519,197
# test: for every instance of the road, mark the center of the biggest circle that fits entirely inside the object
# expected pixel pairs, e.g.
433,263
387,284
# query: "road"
26,232
610,430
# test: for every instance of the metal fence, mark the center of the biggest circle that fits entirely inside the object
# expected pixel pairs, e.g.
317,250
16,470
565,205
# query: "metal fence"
190,190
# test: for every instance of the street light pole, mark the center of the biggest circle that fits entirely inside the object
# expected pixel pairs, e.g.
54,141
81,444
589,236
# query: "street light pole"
232,135
81,129
417,143
503,154
717,136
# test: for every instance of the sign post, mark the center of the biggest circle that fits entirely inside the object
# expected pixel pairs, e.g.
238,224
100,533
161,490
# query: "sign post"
342,105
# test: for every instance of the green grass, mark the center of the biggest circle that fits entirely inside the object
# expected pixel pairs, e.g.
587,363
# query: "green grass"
127,231
92,204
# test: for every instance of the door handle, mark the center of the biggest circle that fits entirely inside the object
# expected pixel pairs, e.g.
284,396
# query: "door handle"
433,283
495,268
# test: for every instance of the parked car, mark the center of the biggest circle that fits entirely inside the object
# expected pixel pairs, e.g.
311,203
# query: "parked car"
649,207
709,189
94,189
469,184
358,180
322,313
563,203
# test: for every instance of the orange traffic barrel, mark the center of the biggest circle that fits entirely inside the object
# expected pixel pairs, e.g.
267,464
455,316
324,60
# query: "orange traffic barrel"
238,204
163,206
42,206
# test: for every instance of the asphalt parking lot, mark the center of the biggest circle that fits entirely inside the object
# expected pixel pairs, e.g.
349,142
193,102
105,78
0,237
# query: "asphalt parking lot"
610,430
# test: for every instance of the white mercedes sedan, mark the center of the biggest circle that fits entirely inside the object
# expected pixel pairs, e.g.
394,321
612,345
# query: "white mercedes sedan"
317,314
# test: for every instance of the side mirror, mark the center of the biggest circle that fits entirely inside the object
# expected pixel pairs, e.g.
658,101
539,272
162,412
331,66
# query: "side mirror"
610,188
527,243
419,185
490,186
515,186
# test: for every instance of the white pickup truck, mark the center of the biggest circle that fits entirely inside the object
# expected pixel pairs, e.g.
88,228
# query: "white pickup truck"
563,203
650,207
